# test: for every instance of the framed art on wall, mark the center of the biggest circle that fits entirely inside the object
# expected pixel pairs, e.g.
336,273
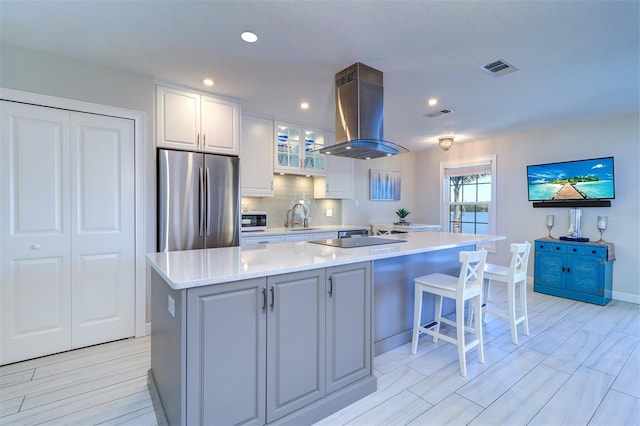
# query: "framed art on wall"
384,185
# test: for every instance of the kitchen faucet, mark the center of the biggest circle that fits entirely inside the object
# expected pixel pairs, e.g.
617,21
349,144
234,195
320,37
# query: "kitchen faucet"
291,214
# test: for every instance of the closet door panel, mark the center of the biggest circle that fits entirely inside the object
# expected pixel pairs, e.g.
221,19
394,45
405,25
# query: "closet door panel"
35,291
102,245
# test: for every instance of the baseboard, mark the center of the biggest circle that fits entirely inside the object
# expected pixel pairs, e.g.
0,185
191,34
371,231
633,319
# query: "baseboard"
147,329
625,297
155,399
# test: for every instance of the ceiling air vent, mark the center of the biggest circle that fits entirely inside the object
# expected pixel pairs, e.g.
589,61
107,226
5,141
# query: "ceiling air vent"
499,68
439,113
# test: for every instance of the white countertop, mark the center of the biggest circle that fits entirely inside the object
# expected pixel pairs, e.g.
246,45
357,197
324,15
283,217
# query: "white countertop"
194,268
299,230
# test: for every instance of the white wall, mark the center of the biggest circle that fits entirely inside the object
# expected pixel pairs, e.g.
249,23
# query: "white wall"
362,211
519,221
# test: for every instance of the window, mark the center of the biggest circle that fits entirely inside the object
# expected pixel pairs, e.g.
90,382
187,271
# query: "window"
468,197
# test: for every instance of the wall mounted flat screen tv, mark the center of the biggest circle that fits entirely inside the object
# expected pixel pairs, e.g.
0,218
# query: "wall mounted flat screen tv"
572,180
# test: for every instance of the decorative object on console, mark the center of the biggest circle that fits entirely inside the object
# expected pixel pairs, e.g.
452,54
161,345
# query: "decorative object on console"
445,142
575,227
602,226
575,223
402,214
550,222
384,185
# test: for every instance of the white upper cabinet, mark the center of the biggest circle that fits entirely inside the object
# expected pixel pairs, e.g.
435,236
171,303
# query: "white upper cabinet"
338,181
196,122
256,161
294,149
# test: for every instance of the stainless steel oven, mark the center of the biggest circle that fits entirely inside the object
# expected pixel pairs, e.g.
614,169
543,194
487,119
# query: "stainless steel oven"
254,221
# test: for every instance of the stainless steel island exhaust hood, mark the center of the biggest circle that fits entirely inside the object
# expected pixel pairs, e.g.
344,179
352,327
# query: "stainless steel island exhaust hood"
359,111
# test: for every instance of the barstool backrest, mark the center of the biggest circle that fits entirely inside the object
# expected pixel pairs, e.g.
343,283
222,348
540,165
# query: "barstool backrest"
519,261
471,272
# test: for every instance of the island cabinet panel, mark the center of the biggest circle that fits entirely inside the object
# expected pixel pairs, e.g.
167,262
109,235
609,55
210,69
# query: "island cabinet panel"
296,341
348,325
225,354
290,348
577,271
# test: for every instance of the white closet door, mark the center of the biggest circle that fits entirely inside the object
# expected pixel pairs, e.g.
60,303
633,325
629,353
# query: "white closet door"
35,289
102,221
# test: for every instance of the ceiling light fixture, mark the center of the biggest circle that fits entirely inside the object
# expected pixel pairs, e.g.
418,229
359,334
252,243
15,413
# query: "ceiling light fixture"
304,105
445,142
208,82
249,37
433,102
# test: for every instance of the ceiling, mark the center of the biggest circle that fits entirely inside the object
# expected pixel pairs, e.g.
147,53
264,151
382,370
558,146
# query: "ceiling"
578,60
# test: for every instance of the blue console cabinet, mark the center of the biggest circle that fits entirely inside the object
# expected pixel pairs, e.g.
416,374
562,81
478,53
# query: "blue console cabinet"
578,271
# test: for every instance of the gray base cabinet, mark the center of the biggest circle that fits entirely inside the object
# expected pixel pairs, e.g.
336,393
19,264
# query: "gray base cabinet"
226,358
348,325
290,348
295,346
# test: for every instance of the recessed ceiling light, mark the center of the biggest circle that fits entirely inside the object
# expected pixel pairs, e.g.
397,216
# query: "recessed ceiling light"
208,82
304,105
249,37
433,102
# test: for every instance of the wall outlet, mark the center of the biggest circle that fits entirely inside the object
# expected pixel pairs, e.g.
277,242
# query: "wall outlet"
172,306
328,212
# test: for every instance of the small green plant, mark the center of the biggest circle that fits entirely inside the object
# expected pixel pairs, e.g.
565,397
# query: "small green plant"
402,213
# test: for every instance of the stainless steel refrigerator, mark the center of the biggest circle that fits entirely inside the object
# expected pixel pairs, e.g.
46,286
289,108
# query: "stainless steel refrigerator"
198,203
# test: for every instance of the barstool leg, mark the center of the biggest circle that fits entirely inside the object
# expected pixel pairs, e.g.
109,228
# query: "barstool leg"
417,315
511,296
438,318
462,353
523,306
479,335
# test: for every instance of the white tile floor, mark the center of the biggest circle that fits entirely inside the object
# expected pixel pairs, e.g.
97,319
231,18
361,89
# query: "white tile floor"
580,365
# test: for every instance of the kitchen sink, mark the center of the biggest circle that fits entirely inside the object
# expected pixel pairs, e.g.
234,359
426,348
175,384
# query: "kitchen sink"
302,229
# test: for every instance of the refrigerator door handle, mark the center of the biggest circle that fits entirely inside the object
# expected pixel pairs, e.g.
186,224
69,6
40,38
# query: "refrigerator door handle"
208,202
202,202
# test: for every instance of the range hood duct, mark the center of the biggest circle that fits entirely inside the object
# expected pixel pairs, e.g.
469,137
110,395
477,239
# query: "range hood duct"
359,115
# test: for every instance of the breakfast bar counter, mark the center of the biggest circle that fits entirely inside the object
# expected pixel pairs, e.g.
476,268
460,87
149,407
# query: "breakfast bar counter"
284,333
194,268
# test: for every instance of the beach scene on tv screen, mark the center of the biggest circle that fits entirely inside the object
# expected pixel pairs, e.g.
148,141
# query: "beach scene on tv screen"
576,180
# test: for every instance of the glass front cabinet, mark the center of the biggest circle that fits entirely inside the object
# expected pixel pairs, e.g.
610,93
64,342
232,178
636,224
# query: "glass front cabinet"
295,150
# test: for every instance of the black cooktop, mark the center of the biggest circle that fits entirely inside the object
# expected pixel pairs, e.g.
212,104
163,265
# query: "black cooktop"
356,242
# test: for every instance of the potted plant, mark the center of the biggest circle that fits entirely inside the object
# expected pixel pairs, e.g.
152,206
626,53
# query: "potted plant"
402,214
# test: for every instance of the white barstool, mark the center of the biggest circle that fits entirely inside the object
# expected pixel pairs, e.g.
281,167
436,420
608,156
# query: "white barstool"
467,286
381,229
515,275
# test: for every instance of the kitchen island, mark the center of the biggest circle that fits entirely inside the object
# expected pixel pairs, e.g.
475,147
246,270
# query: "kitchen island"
283,333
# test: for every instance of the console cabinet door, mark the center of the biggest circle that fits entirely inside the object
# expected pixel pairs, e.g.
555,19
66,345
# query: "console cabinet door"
296,341
550,268
348,324
226,355
585,275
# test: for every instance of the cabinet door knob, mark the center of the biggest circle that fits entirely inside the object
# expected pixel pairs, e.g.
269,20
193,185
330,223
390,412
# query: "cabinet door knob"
35,246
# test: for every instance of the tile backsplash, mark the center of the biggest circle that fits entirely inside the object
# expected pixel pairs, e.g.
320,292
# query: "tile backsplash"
289,190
